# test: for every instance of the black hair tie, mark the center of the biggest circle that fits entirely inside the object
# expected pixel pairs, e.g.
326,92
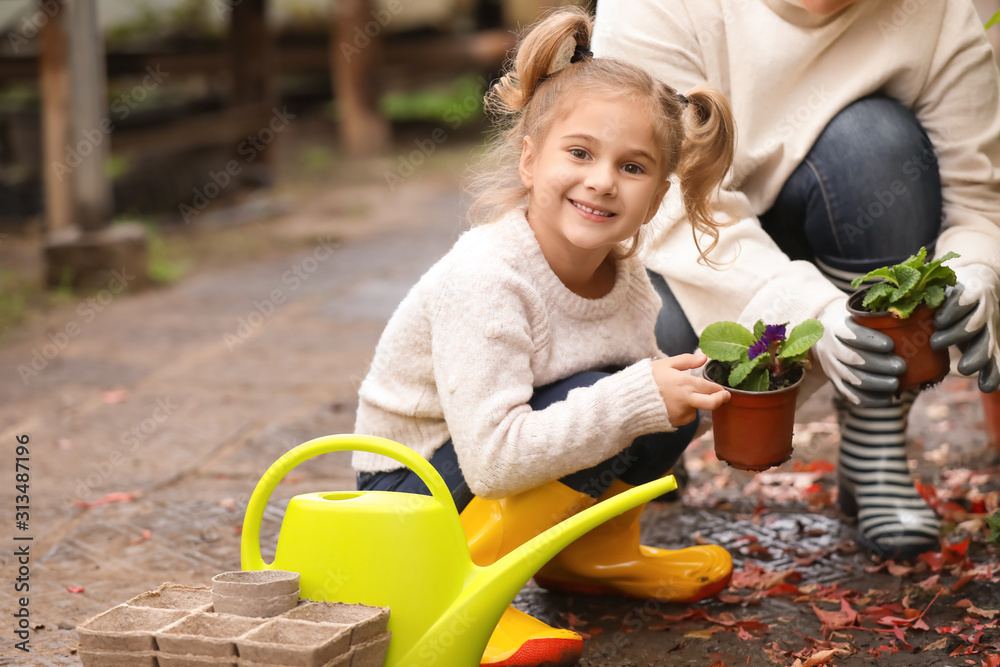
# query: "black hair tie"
580,52
682,99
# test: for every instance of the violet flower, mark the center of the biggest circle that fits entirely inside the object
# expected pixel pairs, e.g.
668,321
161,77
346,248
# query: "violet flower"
773,333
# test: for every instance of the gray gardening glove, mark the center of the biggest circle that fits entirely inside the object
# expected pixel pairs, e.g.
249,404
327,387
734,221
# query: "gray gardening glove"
968,318
858,360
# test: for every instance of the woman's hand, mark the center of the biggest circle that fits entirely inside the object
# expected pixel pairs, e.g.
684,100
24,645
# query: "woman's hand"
684,394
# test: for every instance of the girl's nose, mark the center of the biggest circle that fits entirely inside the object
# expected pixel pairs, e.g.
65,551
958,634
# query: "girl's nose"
601,179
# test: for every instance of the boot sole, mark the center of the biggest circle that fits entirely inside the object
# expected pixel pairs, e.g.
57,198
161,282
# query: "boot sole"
543,653
705,591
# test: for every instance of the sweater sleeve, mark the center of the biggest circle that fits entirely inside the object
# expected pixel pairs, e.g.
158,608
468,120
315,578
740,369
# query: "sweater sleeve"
959,107
482,349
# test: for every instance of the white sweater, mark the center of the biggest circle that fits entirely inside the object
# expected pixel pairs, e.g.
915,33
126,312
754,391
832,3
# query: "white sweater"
484,327
787,73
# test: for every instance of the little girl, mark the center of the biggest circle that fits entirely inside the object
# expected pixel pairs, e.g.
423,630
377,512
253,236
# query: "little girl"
523,365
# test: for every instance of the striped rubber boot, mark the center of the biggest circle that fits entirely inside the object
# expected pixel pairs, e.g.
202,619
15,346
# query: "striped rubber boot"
875,483
874,477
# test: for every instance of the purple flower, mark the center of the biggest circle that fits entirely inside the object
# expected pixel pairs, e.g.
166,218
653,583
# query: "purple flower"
773,333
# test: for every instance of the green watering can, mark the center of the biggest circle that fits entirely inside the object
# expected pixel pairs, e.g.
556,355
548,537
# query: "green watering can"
408,552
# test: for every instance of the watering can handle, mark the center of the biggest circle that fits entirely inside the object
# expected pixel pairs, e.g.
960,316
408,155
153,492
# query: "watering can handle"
250,541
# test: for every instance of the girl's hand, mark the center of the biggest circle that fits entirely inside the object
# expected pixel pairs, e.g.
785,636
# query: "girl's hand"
684,394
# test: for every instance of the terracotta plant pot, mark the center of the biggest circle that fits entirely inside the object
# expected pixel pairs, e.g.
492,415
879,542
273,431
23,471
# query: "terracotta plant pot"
753,431
924,366
991,415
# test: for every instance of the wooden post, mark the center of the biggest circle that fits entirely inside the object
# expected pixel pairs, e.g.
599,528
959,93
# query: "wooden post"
55,92
253,57
91,129
354,54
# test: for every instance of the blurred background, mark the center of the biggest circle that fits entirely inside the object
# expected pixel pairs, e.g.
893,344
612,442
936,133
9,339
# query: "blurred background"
126,123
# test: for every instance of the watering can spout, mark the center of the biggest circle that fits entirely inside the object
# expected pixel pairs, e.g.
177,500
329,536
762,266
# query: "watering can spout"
491,589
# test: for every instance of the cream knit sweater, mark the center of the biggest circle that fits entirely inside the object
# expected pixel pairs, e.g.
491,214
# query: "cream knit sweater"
485,326
787,73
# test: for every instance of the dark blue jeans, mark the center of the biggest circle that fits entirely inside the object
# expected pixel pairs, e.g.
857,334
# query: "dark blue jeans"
868,194
649,456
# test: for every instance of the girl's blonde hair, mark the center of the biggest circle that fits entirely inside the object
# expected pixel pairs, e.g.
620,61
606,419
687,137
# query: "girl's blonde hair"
695,134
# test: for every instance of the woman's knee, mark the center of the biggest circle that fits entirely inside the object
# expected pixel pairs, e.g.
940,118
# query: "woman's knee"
880,180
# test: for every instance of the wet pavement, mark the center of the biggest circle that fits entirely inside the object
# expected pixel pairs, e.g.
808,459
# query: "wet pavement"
151,425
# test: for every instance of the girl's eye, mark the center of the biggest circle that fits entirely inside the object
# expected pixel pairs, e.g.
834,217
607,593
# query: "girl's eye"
579,153
633,168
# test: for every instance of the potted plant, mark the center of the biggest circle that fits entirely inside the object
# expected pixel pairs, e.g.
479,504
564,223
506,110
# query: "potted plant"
902,307
763,370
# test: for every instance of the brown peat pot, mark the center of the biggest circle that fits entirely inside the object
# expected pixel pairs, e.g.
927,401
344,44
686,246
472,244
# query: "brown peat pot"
753,431
924,366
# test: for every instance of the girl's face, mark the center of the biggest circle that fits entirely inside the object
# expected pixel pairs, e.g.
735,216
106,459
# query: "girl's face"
595,179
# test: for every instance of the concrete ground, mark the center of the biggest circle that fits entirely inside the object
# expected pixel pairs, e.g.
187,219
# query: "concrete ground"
151,416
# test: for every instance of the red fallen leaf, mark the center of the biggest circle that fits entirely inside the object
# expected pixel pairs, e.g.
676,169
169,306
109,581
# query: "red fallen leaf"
885,648
963,603
934,559
955,553
929,582
992,660
808,560
689,616
962,650
897,570
595,631
920,624
972,639
814,466
114,497
718,663
113,397
783,589
744,635
833,620
724,618
978,507
730,599
894,621
949,629
962,581
884,610
573,620
75,589
821,658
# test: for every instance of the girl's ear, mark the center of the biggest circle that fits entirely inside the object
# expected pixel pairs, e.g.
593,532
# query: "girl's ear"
654,205
526,169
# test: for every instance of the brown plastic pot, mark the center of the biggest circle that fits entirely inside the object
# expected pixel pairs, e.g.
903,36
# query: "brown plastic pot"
924,366
991,415
753,431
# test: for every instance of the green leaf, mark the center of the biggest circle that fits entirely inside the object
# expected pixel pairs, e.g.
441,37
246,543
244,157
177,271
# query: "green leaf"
758,330
907,278
757,381
904,309
917,261
993,21
884,272
801,339
939,275
742,370
994,523
934,296
877,298
726,341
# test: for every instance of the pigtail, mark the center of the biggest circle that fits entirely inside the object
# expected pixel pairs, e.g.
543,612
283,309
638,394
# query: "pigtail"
706,156
546,49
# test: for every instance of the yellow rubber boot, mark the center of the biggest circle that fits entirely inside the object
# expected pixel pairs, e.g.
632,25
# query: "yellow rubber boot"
494,528
609,559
